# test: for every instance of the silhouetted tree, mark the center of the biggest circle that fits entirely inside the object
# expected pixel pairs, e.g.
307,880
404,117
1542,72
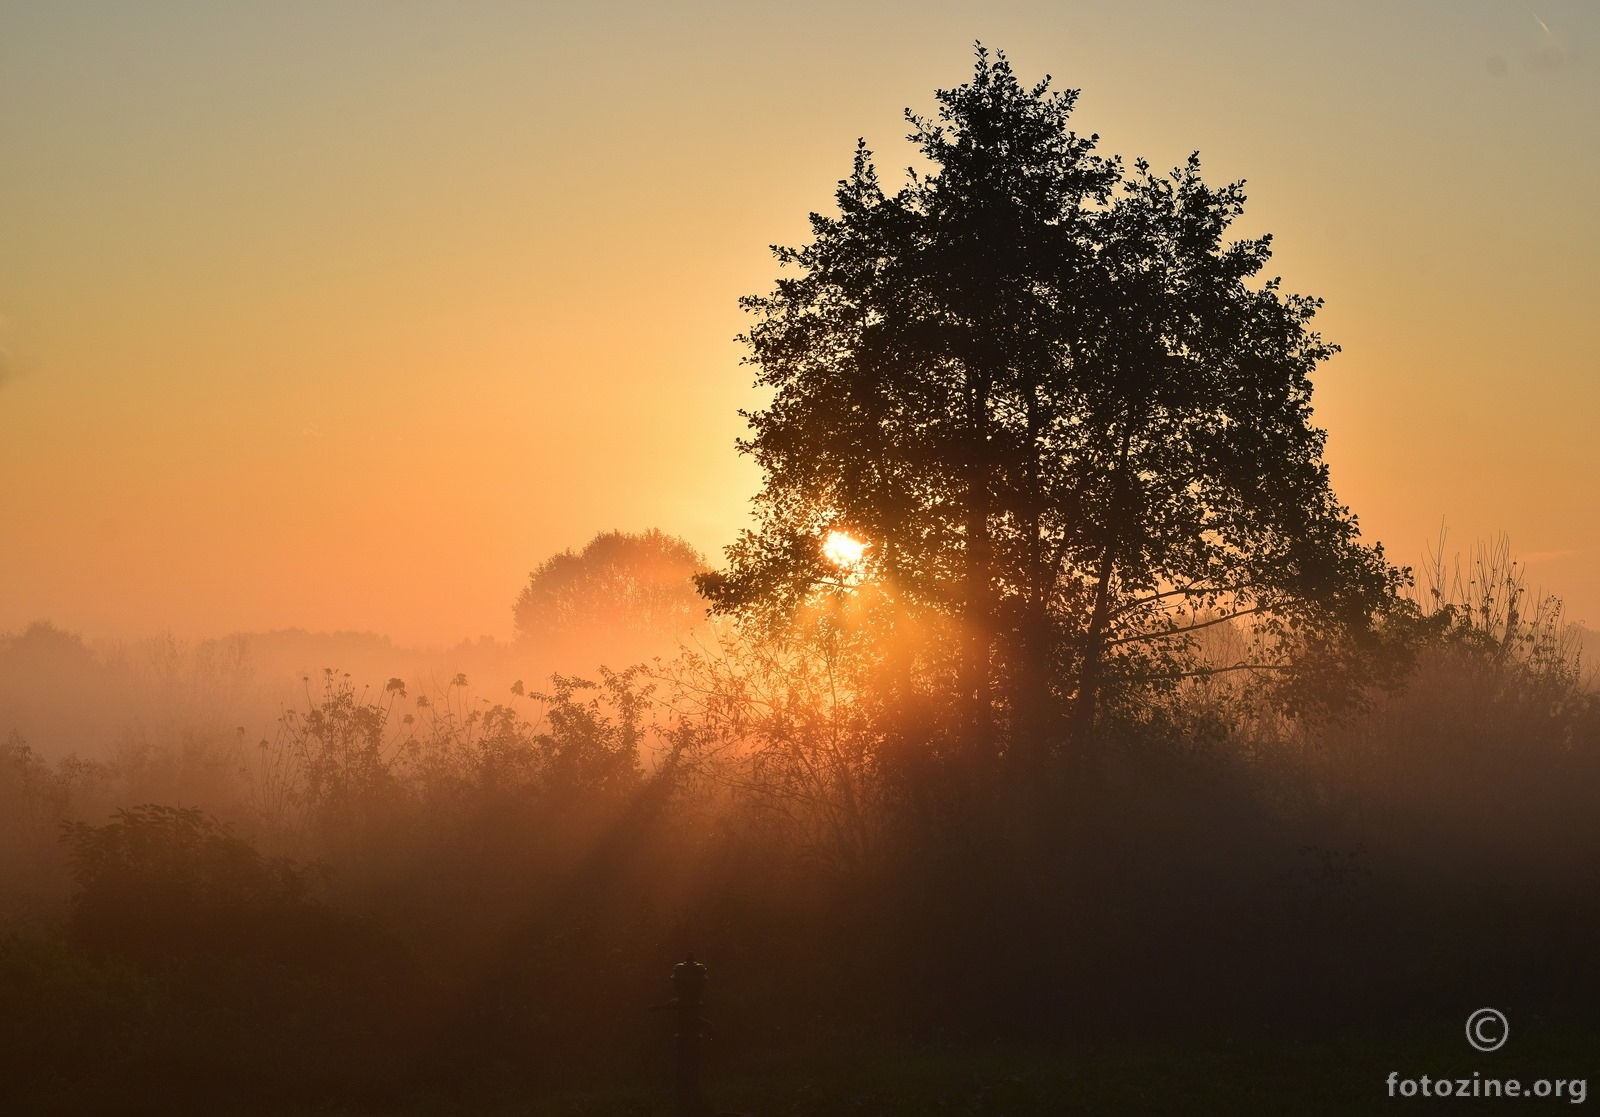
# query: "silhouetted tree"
1048,395
633,584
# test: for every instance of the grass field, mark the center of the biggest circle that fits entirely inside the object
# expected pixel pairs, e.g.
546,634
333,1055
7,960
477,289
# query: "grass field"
1210,1075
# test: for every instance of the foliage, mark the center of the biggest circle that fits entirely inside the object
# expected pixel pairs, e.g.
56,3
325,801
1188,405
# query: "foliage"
788,727
619,581
1049,396
349,752
586,747
334,758
1483,604
161,881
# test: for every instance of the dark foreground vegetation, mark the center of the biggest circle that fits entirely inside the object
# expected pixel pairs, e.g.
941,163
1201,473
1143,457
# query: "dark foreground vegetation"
439,906
1056,745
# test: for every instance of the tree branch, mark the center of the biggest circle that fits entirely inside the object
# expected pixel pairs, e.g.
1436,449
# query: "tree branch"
1144,636
1202,672
1190,590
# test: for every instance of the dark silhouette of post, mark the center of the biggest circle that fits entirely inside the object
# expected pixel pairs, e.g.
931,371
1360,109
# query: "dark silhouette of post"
688,985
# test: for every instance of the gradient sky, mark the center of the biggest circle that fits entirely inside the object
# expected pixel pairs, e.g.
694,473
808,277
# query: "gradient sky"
346,315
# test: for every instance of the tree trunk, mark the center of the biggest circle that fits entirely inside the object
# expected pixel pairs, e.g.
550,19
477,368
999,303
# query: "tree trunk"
1032,716
1086,705
979,620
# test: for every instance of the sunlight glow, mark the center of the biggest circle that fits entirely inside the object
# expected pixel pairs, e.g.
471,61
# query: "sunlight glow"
843,550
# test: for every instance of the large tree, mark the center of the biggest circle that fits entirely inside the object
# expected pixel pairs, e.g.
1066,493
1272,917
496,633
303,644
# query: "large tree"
1050,395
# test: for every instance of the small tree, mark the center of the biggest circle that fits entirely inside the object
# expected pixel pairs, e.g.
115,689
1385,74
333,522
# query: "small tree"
1047,394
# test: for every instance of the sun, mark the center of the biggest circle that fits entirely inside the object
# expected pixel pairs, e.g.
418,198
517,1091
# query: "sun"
843,550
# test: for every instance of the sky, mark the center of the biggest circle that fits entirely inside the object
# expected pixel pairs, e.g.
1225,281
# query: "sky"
345,315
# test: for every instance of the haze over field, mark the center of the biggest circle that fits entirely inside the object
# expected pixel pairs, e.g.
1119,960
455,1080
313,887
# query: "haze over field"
346,317
405,676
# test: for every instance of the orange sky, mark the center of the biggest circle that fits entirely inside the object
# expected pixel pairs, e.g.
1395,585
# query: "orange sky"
346,315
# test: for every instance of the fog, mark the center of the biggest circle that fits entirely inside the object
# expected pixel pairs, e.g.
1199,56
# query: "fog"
1052,735
473,863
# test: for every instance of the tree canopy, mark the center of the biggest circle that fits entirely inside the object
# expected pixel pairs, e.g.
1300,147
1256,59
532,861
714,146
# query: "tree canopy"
639,584
1053,396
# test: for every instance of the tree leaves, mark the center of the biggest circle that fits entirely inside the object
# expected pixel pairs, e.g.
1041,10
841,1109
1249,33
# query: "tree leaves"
1052,396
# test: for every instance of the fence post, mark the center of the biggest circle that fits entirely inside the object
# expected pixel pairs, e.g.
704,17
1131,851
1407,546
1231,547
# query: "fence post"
688,986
